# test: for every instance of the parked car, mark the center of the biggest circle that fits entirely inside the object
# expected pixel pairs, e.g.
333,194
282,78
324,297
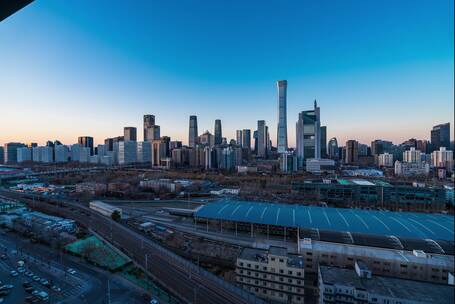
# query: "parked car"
6,286
56,288
14,273
36,278
71,271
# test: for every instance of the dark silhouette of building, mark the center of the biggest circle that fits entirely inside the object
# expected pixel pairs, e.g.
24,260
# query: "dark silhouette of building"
86,141
218,132
440,136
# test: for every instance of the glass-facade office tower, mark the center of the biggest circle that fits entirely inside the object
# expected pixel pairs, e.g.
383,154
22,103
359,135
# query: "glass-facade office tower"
261,139
308,135
218,132
86,141
130,134
333,148
352,152
149,121
246,138
192,136
282,131
239,137
323,142
440,136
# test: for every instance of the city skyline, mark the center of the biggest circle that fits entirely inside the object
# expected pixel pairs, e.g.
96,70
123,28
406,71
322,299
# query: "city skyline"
394,83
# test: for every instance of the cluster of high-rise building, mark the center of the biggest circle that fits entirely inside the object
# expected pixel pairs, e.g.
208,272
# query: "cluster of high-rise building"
213,151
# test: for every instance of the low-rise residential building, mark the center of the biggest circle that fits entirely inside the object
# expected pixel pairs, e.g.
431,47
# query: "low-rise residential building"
272,274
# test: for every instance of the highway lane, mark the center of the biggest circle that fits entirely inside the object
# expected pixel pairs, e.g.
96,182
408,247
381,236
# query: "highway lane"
190,283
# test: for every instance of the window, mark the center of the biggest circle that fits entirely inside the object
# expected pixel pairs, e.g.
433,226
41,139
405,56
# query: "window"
281,260
281,279
264,268
249,265
289,280
256,266
290,272
281,271
273,259
299,274
241,271
241,263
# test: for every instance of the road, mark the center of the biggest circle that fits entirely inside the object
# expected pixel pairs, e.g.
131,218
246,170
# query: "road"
190,283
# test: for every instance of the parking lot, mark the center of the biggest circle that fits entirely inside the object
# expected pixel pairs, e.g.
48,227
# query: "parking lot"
86,284
30,280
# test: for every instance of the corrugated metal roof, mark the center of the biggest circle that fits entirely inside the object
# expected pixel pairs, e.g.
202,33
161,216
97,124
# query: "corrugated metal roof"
400,224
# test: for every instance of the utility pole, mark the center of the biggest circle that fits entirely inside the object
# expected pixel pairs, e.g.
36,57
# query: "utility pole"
108,292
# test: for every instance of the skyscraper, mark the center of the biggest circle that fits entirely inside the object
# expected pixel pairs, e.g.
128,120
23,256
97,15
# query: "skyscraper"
308,135
333,148
440,136
86,141
149,121
261,139
192,137
352,152
238,137
323,142
218,132
130,134
246,139
282,131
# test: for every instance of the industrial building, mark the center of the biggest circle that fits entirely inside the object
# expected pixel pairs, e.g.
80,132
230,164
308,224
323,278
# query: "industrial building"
359,285
371,193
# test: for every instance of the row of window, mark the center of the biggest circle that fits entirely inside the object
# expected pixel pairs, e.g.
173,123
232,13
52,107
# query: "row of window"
270,276
270,285
272,293
271,269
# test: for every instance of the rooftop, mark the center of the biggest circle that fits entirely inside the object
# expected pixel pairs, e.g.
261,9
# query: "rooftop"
261,255
371,222
420,292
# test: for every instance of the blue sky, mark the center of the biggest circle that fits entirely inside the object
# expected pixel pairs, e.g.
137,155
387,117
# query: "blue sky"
379,69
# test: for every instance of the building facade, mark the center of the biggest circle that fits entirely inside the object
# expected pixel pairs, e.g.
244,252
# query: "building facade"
308,135
282,129
193,133
272,274
218,132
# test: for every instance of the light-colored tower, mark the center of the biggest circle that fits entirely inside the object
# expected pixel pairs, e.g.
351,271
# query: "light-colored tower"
282,131
149,121
192,137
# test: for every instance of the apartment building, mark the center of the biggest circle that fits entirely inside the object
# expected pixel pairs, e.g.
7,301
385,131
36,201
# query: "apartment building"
272,274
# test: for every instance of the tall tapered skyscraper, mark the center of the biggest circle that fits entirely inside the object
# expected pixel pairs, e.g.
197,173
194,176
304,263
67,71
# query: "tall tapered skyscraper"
282,131
218,132
192,136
